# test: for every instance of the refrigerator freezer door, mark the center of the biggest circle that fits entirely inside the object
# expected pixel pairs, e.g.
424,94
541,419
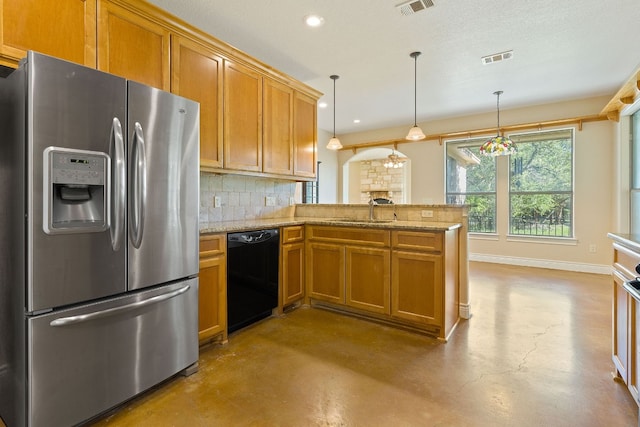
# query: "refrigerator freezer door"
84,361
73,107
163,188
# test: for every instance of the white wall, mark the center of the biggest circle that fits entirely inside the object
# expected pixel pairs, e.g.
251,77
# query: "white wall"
595,182
328,182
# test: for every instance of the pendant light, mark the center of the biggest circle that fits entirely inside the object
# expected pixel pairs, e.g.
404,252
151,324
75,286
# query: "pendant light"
334,143
415,133
498,145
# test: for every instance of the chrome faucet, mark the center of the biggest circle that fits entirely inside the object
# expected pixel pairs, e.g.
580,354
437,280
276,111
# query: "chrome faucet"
372,203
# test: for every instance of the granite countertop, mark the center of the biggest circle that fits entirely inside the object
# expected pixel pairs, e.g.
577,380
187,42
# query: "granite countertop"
258,224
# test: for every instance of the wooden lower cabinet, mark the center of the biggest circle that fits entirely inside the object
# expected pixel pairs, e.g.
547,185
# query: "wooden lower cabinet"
408,278
625,351
416,287
292,265
621,315
212,300
325,272
368,271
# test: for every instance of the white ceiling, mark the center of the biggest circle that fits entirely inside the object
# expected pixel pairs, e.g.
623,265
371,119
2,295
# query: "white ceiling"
563,50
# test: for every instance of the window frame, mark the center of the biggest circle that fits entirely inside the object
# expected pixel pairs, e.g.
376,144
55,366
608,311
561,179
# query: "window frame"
475,142
503,193
572,192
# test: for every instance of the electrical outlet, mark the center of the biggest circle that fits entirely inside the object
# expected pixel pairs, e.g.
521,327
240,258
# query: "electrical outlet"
427,214
269,201
593,248
217,202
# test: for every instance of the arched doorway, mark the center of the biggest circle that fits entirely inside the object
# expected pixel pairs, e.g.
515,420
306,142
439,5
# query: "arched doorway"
365,176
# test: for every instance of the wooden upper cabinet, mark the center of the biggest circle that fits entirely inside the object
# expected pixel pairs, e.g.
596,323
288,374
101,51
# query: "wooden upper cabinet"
304,136
196,73
133,46
242,118
65,30
277,143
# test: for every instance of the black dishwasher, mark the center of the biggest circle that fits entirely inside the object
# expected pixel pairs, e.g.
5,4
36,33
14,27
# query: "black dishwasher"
252,276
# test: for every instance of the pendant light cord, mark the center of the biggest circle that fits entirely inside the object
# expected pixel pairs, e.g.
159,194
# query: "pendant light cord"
334,78
498,93
415,90
334,108
415,55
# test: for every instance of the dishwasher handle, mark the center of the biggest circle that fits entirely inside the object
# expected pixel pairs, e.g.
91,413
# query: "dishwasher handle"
251,238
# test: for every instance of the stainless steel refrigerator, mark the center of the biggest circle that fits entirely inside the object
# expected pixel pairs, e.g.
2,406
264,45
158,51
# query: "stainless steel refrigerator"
99,182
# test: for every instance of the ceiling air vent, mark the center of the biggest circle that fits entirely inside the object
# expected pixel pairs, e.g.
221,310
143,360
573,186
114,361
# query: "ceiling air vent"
497,57
414,6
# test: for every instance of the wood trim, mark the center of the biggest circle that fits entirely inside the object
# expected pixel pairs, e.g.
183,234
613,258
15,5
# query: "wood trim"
478,132
625,96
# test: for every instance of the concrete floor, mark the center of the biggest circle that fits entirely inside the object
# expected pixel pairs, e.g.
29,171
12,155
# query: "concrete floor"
536,352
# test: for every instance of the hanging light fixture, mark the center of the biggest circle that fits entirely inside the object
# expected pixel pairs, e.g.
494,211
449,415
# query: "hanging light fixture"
394,161
334,143
498,145
415,133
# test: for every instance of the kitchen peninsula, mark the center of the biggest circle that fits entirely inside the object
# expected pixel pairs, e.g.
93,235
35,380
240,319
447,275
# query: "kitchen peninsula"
406,266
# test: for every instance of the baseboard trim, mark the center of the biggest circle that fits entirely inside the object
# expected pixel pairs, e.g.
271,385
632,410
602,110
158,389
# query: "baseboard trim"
543,263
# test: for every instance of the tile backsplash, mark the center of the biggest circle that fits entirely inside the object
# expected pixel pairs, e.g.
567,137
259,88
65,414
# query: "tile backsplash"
244,198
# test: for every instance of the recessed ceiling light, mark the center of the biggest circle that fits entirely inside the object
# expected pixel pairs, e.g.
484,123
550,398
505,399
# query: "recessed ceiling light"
356,120
314,20
322,105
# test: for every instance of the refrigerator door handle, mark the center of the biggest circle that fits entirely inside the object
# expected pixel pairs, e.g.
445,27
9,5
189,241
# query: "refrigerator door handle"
138,190
72,320
116,152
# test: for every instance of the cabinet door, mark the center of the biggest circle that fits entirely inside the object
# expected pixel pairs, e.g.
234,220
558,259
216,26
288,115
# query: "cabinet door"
132,46
66,31
212,299
304,136
242,118
292,272
325,272
196,73
621,308
416,287
368,278
277,142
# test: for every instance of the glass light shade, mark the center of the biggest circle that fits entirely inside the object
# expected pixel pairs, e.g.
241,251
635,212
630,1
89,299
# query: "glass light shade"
498,146
334,144
415,134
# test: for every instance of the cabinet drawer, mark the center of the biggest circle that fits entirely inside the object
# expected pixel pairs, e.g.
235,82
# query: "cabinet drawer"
212,245
370,237
292,234
625,260
417,240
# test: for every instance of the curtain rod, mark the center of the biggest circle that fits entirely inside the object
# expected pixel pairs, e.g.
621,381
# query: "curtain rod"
469,133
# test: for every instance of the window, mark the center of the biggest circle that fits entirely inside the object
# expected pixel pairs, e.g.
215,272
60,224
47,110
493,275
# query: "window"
310,188
310,192
537,197
471,179
541,184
